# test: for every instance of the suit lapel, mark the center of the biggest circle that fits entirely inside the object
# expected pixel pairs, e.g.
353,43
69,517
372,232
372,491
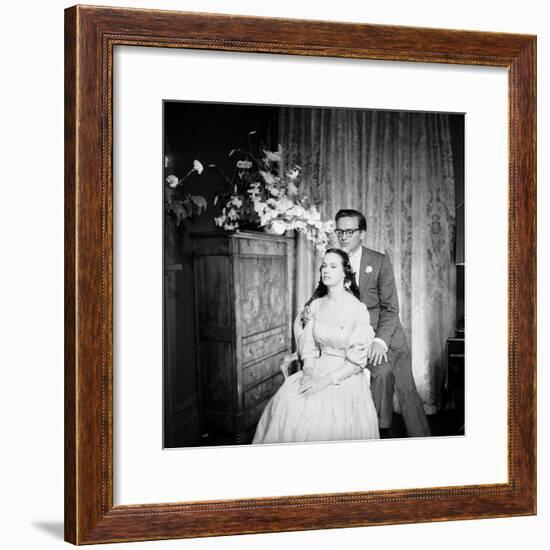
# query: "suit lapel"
363,265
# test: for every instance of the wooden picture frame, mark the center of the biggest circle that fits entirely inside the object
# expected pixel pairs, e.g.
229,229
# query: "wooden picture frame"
91,33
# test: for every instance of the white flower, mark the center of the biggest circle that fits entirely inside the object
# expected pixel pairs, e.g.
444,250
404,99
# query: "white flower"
292,212
259,206
269,178
285,203
254,190
292,189
314,213
278,226
368,269
233,214
267,216
297,211
235,201
294,173
198,166
274,156
329,226
172,181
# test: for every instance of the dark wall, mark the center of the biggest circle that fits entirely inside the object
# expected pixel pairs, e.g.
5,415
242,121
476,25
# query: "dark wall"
456,123
457,143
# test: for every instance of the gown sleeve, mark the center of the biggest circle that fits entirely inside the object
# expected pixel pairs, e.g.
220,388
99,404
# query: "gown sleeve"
305,342
360,340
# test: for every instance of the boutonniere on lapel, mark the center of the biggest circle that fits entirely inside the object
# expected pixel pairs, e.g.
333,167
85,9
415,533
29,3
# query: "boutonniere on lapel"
368,269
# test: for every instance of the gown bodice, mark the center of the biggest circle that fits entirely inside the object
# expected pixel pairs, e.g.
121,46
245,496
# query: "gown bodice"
331,338
348,339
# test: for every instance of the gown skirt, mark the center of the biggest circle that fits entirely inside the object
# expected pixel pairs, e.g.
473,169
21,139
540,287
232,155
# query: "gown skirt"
339,412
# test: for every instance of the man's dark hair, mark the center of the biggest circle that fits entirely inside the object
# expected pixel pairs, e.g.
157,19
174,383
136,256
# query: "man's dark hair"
349,213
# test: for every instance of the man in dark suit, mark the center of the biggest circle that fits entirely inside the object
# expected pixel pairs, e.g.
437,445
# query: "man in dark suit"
389,357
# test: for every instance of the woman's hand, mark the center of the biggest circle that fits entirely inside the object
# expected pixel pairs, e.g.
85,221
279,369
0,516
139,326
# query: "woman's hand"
311,386
307,378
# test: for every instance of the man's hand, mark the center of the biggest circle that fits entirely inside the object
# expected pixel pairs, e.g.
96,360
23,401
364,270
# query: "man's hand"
376,354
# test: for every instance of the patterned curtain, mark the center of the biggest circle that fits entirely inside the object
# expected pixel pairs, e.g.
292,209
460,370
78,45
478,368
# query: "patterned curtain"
396,168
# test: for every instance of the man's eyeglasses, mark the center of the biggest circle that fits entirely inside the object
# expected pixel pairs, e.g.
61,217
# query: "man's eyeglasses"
347,232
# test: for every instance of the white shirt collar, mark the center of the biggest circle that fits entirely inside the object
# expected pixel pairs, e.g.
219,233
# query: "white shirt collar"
355,261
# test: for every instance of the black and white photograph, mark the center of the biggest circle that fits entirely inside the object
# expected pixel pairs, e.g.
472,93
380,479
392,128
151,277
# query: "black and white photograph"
313,274
271,275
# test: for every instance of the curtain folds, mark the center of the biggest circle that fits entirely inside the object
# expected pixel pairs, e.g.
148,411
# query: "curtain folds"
396,168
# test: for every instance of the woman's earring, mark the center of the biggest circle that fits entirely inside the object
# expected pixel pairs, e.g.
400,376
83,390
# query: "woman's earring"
347,285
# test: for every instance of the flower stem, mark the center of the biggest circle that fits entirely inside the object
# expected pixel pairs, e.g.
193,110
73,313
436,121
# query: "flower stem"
186,176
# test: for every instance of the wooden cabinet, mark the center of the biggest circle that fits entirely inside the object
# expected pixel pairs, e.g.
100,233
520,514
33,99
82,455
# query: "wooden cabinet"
243,304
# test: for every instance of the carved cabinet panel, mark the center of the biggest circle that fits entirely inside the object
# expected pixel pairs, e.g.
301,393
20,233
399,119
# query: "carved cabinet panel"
243,304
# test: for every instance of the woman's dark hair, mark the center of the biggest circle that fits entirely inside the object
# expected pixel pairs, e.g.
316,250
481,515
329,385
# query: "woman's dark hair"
349,277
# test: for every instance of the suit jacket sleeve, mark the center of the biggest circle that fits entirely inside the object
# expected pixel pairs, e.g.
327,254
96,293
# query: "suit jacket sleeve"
389,303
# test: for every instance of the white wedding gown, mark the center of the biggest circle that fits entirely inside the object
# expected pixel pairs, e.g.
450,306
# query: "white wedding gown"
339,412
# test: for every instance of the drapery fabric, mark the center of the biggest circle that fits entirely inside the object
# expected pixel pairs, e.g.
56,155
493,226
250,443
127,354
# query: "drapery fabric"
396,168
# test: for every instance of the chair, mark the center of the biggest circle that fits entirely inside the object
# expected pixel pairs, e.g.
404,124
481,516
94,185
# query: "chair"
290,358
286,361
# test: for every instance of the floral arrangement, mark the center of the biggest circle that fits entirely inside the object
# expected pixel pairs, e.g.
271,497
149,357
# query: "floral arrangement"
258,195
177,202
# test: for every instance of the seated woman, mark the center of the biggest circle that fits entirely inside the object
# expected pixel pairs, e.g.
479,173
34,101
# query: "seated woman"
330,399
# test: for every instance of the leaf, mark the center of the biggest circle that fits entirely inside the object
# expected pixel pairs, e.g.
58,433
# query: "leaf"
216,200
179,211
199,201
188,206
168,194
